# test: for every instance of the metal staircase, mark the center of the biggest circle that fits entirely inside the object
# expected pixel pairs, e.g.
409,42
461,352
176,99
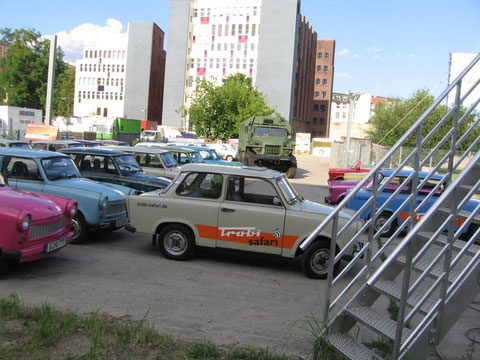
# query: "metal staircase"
431,268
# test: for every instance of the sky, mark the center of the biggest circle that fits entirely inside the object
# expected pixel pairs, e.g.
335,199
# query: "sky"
383,47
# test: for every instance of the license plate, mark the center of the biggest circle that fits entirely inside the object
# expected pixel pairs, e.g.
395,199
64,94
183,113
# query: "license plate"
55,245
122,222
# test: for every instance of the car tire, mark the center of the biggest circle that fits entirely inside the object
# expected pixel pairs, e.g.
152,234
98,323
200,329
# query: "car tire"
4,264
382,219
80,230
291,172
315,260
229,158
471,230
177,242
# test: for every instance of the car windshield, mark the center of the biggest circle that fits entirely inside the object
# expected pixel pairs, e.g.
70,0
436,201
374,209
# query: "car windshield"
265,131
208,154
196,157
60,168
168,160
288,191
127,164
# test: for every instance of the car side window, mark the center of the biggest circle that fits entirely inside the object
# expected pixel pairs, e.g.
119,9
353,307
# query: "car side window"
201,185
39,146
252,190
148,160
23,169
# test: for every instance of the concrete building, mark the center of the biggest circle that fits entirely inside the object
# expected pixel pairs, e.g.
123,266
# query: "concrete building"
458,62
363,108
217,38
14,120
125,77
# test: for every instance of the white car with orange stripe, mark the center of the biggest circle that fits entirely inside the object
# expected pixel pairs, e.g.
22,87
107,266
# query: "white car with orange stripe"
242,208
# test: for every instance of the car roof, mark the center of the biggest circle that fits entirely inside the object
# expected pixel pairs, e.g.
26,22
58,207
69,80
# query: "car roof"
198,148
30,153
10,141
140,149
405,173
66,142
93,151
232,170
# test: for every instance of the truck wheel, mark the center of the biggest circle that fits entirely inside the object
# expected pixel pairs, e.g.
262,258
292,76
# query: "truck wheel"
248,160
80,230
290,173
315,260
177,242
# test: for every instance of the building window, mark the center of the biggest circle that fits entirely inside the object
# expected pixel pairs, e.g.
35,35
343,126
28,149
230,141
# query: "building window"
324,81
317,94
233,29
226,30
317,81
220,30
314,120
322,107
322,121
315,107
337,115
327,55
319,68
324,94
240,29
254,28
325,67
319,55
195,13
213,29
86,54
254,11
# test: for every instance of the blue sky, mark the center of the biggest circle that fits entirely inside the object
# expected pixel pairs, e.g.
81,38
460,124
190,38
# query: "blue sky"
386,48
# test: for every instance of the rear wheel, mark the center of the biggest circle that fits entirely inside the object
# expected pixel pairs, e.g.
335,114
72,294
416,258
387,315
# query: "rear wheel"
177,242
381,220
316,259
229,158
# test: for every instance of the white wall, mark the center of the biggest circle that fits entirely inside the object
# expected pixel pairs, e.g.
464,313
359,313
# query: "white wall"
17,119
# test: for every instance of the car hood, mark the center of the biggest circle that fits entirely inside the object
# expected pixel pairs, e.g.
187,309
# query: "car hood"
90,185
313,207
145,176
35,204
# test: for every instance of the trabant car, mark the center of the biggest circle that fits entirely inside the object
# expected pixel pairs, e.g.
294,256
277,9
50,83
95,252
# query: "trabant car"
225,151
15,143
100,206
339,174
233,207
107,142
156,162
54,145
337,189
399,180
34,225
210,156
114,167
182,155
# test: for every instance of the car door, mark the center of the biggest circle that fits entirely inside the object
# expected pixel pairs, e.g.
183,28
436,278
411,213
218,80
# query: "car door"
23,174
251,217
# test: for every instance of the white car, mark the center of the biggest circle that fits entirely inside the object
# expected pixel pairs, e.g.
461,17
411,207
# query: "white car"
225,151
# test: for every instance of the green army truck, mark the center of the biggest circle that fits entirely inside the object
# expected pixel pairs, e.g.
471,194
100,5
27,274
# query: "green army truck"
267,141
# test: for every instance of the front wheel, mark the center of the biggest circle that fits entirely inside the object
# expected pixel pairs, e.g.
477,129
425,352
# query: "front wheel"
290,173
80,230
177,242
316,258
229,158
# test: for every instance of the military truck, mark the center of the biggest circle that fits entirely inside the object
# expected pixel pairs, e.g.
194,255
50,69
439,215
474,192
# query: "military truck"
267,141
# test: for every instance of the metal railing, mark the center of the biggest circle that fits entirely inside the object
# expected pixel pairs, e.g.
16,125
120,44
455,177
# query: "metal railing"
368,258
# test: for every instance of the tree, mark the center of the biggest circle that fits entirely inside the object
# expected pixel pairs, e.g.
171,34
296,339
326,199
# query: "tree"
392,120
217,111
64,93
23,81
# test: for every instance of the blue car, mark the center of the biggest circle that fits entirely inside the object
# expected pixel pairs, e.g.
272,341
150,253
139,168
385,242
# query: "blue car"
399,180
99,206
115,167
209,155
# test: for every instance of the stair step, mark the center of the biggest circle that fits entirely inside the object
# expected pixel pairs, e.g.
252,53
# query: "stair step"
457,244
461,214
394,291
376,321
436,272
468,188
350,348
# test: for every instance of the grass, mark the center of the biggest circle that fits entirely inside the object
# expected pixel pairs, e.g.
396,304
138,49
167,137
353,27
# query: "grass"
43,332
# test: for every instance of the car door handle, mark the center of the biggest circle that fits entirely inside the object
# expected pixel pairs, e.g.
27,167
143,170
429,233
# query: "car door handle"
227,209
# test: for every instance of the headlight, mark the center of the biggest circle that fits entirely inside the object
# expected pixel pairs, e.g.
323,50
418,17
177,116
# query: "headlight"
72,208
102,202
23,222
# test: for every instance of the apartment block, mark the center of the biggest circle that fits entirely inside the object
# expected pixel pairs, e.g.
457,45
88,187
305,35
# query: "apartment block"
124,78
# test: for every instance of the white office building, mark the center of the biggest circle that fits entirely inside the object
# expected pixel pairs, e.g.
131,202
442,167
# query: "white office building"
124,77
212,39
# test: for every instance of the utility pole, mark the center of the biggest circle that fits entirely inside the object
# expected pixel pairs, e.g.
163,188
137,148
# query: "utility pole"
349,126
51,79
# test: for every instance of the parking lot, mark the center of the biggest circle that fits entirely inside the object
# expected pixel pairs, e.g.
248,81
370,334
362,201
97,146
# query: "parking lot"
227,298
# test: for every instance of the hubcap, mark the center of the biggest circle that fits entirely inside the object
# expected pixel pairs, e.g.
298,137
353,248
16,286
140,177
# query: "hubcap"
175,243
380,222
319,261
76,228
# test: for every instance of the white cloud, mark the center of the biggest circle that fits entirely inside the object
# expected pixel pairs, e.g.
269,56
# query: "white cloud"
412,55
344,52
356,56
374,50
399,54
342,75
88,35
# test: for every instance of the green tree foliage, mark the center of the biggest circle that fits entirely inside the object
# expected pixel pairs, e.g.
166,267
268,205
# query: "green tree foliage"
392,120
64,93
23,81
217,111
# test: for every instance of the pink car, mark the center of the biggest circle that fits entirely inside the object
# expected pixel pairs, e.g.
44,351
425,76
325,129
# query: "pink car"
33,226
338,189
338,174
